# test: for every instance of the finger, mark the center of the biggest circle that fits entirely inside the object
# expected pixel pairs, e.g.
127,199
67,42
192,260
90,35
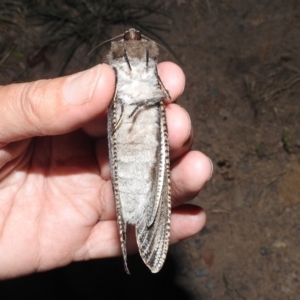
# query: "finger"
104,241
186,221
179,129
55,106
101,151
173,78
188,176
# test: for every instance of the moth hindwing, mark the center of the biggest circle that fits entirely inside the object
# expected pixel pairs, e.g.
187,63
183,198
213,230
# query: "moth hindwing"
139,148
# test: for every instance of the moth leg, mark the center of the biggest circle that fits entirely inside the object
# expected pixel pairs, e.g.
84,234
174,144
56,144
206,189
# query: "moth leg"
162,86
149,102
135,110
120,119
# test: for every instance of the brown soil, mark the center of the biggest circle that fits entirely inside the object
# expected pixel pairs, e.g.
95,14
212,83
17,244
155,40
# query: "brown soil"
243,73
242,64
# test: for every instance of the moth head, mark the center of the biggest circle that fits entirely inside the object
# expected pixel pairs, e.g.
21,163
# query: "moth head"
132,35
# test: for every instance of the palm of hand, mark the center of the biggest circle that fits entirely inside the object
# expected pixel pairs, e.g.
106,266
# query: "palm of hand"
53,199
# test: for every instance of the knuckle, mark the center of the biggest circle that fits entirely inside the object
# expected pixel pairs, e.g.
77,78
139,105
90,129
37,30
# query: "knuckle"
31,104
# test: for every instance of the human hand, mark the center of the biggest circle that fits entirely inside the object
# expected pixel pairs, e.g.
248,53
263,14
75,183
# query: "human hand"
56,199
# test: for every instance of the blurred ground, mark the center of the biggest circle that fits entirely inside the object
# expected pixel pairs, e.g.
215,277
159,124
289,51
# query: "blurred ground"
242,65
241,60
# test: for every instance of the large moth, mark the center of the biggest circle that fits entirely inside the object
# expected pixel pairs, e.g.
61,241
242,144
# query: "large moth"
139,148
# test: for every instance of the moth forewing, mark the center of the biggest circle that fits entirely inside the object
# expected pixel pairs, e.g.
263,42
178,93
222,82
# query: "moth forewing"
139,148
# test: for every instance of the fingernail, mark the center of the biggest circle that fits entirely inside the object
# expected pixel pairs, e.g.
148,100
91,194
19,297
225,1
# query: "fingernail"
80,87
212,169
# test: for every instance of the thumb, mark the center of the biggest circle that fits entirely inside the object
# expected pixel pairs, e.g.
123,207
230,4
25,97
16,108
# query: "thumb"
54,106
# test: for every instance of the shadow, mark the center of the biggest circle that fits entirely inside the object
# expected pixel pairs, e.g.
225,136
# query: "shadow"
105,279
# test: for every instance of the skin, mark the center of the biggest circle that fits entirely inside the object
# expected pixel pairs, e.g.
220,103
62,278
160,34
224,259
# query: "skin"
56,199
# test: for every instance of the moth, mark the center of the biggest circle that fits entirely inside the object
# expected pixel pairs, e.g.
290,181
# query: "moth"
139,148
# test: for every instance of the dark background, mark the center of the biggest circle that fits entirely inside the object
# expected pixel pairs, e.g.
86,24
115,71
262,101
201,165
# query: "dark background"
241,60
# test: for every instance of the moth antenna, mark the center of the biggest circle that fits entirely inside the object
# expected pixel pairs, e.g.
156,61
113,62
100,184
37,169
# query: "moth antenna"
104,43
161,46
147,38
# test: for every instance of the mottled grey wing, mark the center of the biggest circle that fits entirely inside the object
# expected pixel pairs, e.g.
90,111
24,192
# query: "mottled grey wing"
153,240
111,130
